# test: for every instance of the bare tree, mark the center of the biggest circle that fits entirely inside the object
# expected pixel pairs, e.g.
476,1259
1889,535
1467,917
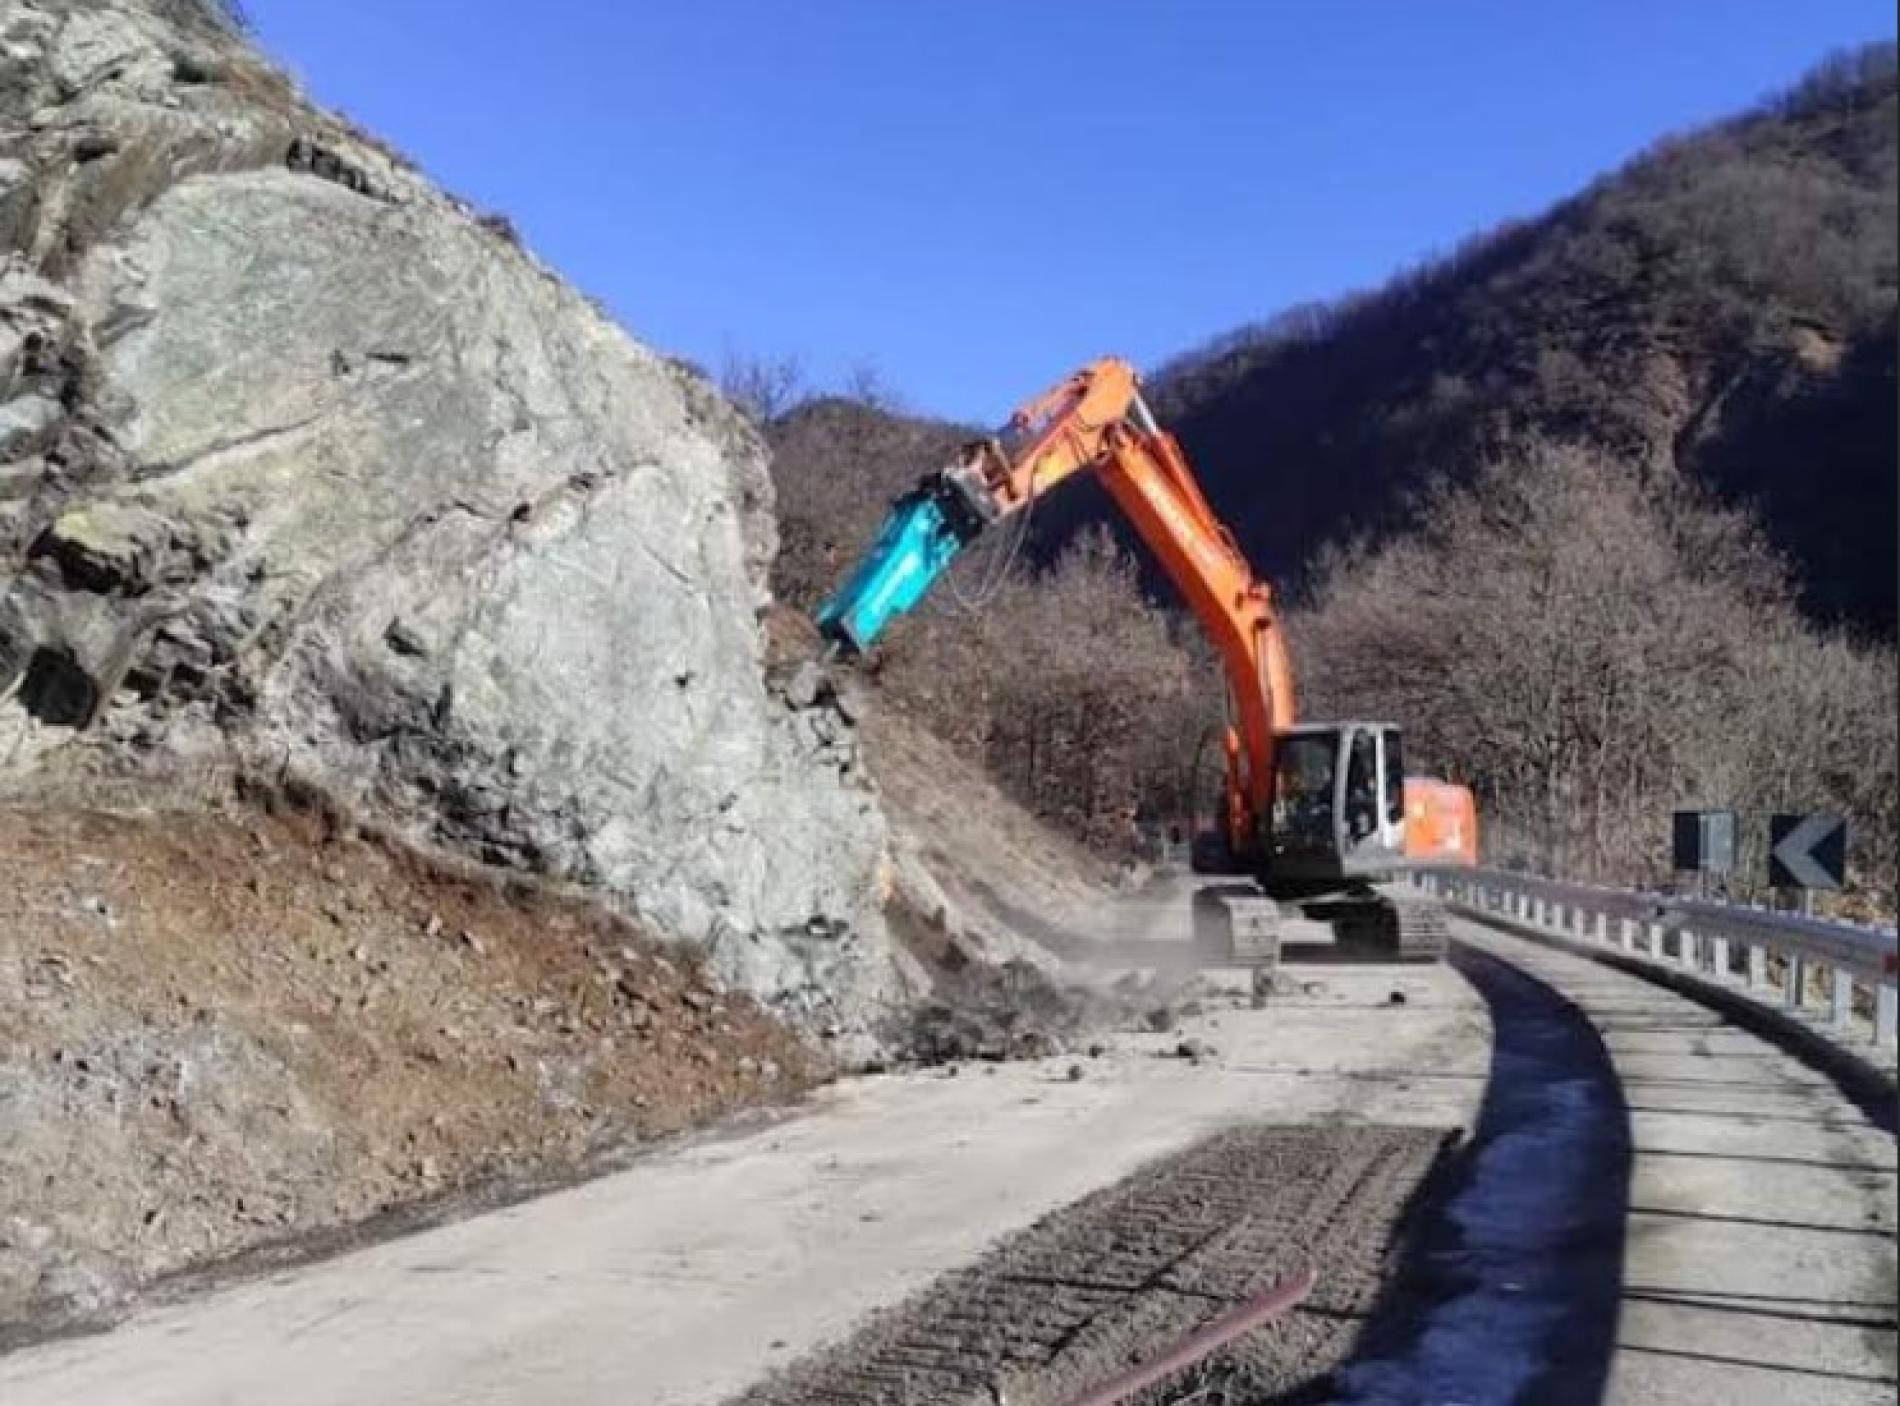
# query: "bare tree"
866,384
764,388
1592,650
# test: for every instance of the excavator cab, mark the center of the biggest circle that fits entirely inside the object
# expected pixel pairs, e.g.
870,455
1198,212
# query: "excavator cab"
1338,808
1327,864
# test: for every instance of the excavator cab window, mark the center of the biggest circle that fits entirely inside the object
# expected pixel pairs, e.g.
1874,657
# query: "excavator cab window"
1303,788
1362,786
1394,776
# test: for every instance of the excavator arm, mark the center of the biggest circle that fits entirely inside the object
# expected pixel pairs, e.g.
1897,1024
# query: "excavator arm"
1096,422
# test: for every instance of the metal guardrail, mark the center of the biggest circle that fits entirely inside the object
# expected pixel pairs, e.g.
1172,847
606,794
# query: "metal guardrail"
1728,943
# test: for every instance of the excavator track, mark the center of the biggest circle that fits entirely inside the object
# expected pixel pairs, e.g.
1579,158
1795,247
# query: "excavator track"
1405,925
1238,924
1421,930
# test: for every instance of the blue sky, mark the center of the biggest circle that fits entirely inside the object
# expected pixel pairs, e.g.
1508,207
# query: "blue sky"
973,196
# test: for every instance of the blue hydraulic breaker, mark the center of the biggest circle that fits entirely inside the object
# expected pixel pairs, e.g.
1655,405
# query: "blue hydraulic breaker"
926,529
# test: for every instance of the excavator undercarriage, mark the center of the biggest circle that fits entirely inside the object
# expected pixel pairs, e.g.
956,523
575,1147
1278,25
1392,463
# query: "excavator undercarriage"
1243,925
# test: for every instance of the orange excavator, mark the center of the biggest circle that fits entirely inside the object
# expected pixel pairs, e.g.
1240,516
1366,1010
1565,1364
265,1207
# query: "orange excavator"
1319,816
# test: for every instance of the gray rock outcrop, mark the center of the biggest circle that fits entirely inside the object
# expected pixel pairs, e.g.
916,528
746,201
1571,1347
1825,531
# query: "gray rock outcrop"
305,466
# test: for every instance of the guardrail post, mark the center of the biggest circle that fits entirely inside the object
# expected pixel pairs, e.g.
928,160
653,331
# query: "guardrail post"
1706,937
1841,995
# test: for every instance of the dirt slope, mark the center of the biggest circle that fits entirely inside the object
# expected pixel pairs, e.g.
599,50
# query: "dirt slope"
248,1022
220,1030
1005,875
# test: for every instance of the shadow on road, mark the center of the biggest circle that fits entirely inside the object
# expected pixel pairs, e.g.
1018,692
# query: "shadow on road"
1511,1287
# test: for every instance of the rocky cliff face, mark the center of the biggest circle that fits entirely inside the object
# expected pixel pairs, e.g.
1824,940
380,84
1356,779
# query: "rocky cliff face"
305,468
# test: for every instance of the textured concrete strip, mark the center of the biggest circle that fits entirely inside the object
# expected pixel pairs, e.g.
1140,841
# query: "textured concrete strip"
1127,1272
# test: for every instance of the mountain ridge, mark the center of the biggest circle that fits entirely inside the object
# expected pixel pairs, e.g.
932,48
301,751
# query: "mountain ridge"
1730,288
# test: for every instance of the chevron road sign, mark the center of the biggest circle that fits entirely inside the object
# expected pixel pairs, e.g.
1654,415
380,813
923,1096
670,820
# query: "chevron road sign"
1807,851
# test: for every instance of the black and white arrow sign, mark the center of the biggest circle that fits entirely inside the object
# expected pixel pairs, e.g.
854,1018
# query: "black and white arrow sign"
1807,851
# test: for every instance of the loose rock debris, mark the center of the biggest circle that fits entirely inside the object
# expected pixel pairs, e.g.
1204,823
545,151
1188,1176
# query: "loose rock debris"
1018,1011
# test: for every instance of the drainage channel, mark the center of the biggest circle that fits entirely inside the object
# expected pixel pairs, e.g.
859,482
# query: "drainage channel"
1509,1290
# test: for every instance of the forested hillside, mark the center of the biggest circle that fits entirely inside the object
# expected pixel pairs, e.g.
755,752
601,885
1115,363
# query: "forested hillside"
1592,651
1723,307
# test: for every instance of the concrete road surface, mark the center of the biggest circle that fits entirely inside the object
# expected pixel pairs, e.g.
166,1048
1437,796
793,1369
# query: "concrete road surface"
1756,1248
686,1277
